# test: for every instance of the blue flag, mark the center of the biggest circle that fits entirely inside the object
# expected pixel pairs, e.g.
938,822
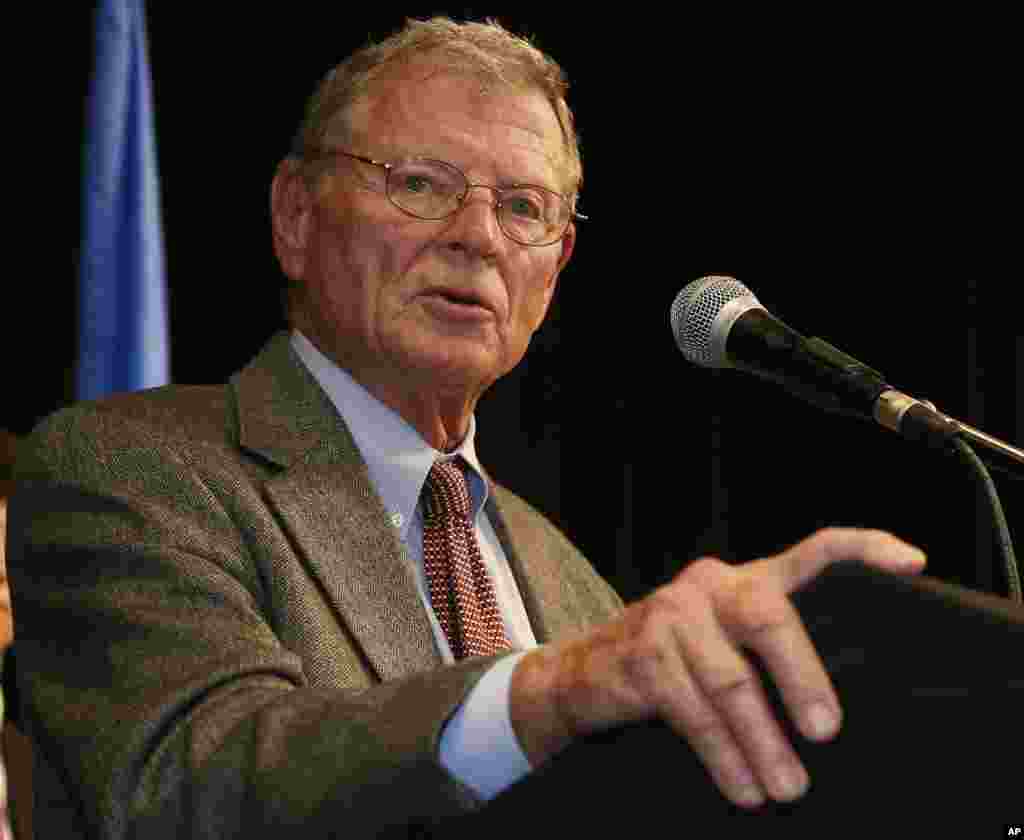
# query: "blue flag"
123,321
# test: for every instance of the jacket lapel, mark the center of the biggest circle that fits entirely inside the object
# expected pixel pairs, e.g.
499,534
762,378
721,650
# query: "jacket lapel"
326,501
552,604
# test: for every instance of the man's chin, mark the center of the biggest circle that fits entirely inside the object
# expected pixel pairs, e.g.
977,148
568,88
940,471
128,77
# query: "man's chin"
471,364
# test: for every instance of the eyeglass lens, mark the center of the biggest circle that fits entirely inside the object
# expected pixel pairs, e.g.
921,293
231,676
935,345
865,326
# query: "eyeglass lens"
432,190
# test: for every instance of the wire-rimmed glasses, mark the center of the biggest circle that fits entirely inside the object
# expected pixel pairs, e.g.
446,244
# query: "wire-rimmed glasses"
432,189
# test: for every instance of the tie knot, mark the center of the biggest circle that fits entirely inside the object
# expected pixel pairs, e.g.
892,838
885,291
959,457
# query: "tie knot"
445,493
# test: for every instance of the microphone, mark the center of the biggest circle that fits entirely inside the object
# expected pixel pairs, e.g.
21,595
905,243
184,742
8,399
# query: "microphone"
719,323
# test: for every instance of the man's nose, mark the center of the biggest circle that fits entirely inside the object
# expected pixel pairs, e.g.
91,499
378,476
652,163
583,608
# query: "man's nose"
476,220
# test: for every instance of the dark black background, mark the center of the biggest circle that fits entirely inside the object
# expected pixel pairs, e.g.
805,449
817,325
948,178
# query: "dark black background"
860,172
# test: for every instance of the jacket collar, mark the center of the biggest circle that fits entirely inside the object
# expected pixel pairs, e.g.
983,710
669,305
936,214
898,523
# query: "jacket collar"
283,415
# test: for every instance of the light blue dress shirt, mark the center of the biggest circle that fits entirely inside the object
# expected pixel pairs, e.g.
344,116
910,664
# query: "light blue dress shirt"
478,745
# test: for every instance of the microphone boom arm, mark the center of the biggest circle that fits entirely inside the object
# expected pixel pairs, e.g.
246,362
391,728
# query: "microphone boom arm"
996,445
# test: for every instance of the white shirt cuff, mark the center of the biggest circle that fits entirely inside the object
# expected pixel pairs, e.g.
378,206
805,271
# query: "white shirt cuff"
478,745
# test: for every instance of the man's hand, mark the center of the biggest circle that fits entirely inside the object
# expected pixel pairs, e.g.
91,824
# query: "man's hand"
676,655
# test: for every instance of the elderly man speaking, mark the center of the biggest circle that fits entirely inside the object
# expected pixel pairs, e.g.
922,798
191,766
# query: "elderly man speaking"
299,600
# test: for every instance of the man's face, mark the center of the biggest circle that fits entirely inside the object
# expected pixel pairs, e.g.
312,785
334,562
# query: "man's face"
381,286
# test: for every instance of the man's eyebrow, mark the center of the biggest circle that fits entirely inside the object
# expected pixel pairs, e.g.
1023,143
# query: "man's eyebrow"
528,181
524,182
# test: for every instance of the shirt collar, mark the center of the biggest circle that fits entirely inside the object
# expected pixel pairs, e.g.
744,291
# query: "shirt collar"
396,455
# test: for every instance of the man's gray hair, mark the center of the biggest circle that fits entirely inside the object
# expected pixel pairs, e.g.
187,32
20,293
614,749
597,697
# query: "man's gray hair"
483,49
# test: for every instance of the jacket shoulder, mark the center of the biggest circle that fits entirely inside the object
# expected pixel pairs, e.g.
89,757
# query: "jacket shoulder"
105,432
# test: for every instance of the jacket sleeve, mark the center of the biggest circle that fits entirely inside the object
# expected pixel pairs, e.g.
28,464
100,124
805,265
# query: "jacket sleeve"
152,674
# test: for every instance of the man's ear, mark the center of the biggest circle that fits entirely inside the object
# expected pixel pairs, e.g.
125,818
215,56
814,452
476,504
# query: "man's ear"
567,245
291,217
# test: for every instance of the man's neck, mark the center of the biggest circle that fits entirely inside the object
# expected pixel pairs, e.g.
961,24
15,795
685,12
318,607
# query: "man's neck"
442,423
440,412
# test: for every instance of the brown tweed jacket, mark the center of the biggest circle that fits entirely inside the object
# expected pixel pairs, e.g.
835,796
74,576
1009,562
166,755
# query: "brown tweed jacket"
218,630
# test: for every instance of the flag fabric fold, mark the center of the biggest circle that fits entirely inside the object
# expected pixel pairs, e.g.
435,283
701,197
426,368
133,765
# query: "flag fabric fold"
124,341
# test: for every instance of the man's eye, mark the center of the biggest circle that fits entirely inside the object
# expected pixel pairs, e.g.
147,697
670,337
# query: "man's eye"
523,206
417,184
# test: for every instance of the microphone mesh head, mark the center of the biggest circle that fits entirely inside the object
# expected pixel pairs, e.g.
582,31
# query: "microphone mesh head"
694,314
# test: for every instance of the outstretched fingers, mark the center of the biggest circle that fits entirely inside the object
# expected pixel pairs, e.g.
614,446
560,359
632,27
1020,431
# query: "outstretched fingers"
681,654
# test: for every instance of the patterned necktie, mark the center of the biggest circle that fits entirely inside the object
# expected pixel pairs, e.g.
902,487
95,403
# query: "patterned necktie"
461,593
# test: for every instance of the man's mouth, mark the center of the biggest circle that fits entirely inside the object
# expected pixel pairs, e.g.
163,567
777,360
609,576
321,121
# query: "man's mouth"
457,298
459,306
